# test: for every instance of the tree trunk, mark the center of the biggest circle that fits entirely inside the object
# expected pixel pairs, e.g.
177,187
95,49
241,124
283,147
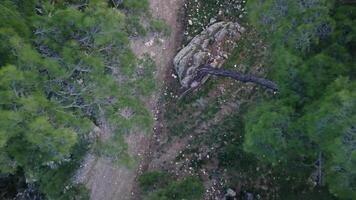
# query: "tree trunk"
208,69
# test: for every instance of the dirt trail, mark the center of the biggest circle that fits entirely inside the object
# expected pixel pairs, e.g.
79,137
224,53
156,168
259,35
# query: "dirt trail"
163,53
169,10
108,181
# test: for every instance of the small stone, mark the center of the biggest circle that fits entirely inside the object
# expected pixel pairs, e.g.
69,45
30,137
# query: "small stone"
230,193
127,113
149,43
212,20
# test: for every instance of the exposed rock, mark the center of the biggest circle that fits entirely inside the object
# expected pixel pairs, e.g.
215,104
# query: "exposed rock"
212,46
230,193
212,20
127,113
94,134
249,196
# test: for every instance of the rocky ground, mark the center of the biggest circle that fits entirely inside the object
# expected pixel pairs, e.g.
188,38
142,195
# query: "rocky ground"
187,139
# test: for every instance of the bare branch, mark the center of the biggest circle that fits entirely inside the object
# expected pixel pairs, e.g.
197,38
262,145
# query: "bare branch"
206,69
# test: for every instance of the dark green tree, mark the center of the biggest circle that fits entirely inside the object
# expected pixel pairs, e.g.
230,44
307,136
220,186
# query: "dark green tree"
313,61
60,64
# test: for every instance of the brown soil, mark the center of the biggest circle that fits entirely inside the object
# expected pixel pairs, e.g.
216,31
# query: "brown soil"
163,53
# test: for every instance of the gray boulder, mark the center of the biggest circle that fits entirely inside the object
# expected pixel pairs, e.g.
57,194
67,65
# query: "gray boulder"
212,46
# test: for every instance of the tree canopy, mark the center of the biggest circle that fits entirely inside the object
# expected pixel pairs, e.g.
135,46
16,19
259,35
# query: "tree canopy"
61,63
313,118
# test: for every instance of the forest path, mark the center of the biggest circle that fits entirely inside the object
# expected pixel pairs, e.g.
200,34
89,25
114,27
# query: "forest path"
171,11
164,52
104,179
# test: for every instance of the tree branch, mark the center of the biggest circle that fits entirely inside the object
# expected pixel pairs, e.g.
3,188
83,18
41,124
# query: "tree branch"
206,69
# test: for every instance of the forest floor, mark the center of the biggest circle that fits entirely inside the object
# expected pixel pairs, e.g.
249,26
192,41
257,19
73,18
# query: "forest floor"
104,179
194,132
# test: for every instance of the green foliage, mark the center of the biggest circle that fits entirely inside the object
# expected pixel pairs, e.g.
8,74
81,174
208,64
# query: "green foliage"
189,188
10,17
320,193
312,60
268,131
227,137
60,63
134,26
249,52
60,177
331,125
31,123
150,181
136,5
160,26
297,24
145,81
12,26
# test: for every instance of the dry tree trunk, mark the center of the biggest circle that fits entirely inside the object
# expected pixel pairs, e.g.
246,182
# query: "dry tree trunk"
206,69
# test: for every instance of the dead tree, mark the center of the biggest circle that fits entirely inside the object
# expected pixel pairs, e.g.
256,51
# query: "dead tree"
206,69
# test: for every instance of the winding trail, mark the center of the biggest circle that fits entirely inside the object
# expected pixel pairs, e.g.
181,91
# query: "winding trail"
108,181
171,11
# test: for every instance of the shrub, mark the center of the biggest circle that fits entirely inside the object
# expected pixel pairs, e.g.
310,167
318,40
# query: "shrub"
190,188
153,180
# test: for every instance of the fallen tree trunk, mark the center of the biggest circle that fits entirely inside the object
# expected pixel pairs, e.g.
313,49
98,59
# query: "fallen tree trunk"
206,69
